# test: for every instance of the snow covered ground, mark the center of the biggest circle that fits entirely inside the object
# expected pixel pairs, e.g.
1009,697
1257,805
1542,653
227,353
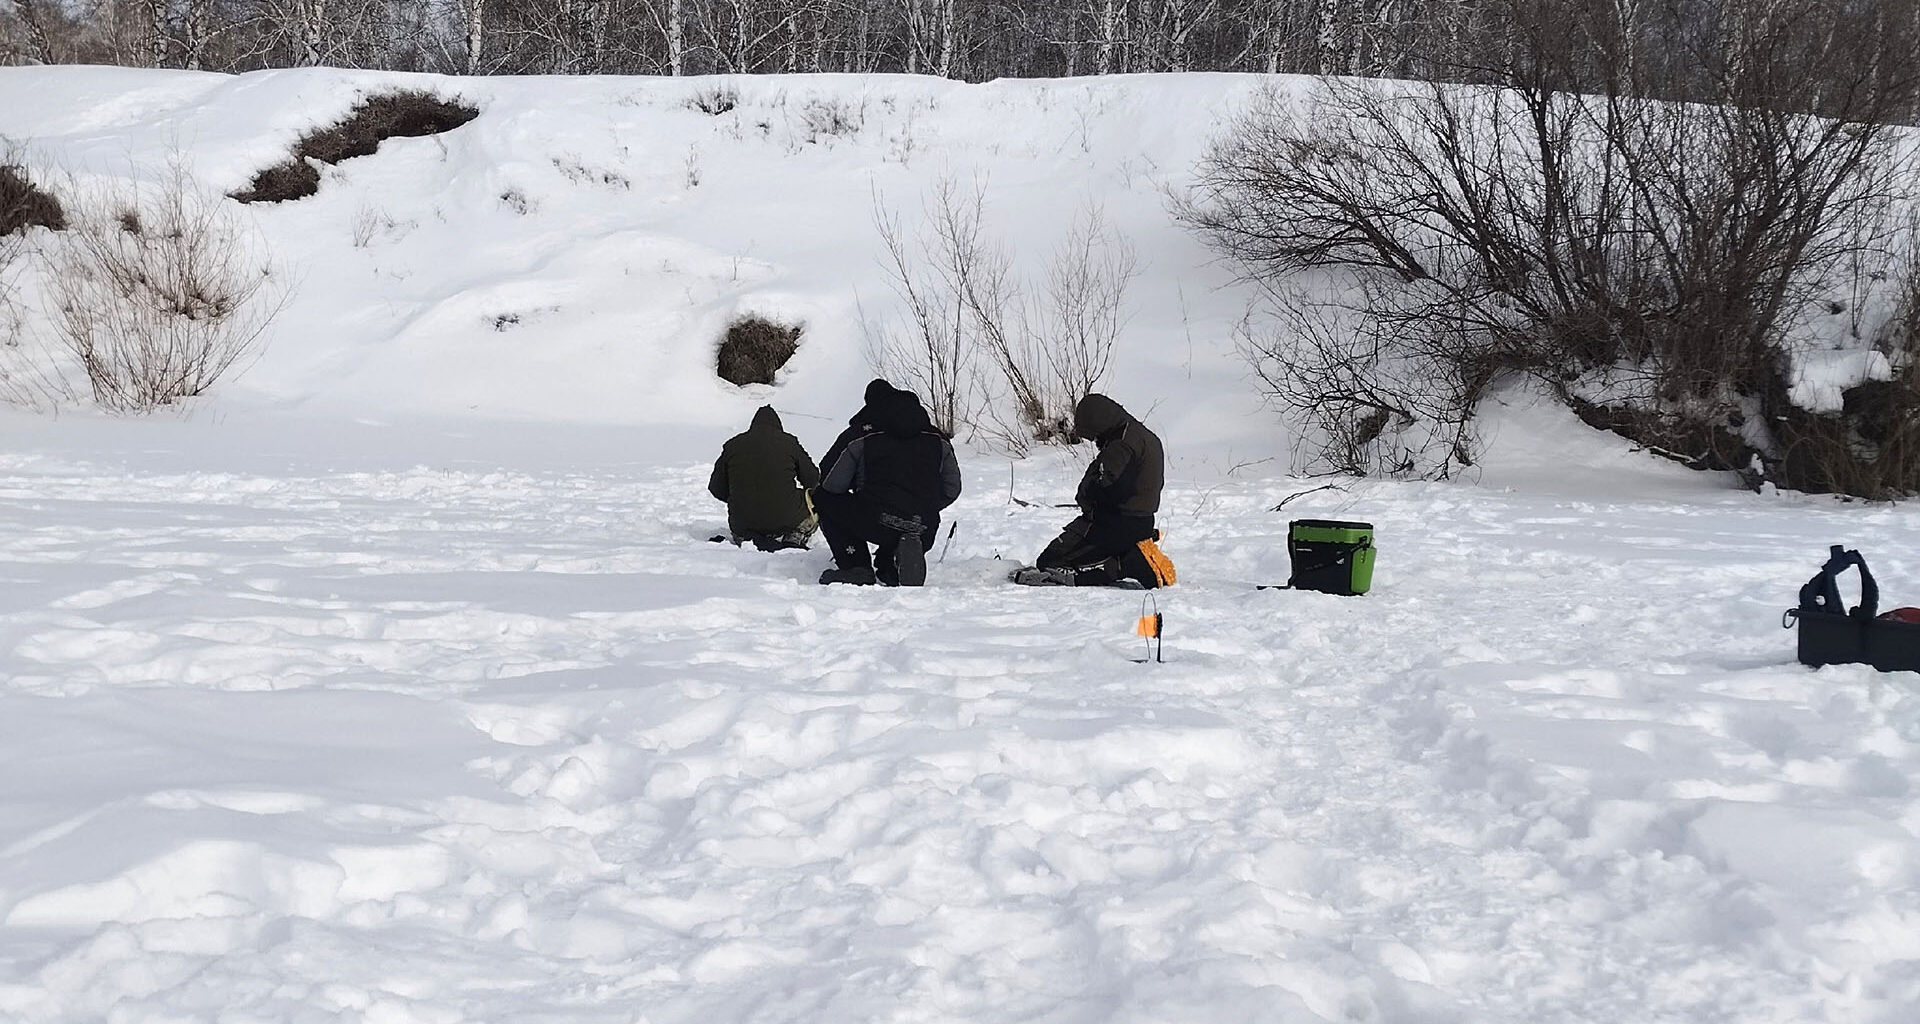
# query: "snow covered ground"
399,684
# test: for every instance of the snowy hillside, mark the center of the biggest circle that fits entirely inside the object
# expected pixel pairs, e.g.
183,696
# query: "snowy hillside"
588,240
397,683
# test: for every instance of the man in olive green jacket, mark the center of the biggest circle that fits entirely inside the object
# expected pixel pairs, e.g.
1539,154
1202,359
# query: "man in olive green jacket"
763,476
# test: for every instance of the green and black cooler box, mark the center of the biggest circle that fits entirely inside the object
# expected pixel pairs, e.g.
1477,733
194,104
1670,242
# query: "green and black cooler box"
1330,556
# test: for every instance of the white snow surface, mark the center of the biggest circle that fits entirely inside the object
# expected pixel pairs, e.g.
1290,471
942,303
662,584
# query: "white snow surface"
398,683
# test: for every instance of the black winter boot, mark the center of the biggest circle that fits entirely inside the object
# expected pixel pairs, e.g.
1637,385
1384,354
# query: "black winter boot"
909,562
859,577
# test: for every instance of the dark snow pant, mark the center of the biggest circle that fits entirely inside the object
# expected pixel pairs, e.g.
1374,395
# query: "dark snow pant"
1100,546
850,524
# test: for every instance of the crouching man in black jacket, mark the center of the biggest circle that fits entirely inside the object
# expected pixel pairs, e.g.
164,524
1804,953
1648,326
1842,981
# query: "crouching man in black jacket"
900,476
1112,541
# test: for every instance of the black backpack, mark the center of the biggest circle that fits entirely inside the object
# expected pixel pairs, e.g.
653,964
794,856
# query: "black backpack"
1831,634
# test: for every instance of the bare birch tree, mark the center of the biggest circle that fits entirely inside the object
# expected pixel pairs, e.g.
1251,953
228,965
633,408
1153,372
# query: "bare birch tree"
312,26
473,16
676,37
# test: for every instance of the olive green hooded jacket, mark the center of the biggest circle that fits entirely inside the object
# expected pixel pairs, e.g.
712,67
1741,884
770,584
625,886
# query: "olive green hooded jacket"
762,475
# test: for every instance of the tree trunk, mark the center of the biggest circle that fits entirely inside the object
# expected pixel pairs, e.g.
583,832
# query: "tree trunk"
676,38
792,30
1109,35
1330,62
862,59
1270,26
595,41
197,29
946,38
37,41
913,37
819,33
313,16
157,32
475,14
740,65
1178,20
1626,64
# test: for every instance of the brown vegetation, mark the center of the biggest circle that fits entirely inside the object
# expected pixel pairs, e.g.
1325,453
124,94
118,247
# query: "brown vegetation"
404,114
754,349
24,204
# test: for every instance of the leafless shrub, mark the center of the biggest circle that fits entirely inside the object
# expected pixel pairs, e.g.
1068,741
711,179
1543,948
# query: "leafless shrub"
1651,262
1048,341
904,142
368,223
29,373
1070,329
159,292
933,351
755,348
1051,340
1378,395
714,100
30,370
518,201
20,209
576,171
830,117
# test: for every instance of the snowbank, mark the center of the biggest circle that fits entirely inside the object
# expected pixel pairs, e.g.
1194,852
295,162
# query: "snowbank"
576,252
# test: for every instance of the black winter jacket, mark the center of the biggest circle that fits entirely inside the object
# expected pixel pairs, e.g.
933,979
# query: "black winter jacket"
756,476
903,466
862,422
1126,476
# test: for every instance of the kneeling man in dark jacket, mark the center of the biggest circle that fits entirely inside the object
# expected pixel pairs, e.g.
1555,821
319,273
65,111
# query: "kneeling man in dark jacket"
900,475
1112,542
762,476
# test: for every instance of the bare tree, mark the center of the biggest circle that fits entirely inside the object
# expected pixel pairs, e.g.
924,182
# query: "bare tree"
1378,392
34,14
1168,28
